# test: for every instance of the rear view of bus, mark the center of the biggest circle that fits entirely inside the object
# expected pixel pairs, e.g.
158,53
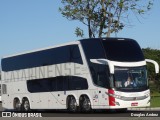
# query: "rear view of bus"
119,66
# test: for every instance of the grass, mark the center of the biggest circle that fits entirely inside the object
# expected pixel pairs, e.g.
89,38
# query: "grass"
155,98
155,101
155,95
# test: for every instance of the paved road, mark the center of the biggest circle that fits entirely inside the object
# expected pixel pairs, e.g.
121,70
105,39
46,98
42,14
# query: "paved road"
98,115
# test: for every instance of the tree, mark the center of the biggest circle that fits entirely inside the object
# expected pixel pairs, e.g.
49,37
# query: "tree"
103,17
154,55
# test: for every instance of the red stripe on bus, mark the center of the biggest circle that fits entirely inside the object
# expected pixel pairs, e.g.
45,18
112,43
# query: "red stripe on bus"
111,99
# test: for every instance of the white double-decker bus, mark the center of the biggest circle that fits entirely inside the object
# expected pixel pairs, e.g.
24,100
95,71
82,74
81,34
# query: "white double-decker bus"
100,73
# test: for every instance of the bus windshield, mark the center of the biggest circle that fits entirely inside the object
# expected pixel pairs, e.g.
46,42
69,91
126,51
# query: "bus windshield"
123,50
130,77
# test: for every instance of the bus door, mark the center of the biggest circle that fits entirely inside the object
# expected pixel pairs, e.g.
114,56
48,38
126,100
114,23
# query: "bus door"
102,82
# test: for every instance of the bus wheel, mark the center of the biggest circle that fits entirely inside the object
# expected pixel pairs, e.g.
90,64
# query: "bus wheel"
17,105
25,105
72,104
85,104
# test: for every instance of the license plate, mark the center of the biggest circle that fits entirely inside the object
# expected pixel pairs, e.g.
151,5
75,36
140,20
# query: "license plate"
134,104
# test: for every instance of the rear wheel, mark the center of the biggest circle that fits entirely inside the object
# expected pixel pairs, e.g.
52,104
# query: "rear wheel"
17,105
72,104
85,104
25,105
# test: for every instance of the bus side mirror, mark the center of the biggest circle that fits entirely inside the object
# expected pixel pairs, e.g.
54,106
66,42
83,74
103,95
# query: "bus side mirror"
99,61
104,62
155,64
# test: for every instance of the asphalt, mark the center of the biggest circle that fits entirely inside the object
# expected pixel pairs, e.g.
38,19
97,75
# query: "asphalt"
130,109
61,115
145,109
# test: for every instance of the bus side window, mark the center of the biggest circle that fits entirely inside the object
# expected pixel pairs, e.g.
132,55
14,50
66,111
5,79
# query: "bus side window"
60,83
75,54
77,83
65,83
54,84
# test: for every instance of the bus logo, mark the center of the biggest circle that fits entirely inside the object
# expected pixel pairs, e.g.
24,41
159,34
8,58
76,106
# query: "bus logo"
6,114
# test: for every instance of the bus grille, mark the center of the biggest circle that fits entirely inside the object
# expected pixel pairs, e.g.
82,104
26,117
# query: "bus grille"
133,98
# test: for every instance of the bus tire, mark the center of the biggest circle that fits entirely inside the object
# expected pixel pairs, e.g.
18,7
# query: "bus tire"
25,105
17,105
72,104
85,104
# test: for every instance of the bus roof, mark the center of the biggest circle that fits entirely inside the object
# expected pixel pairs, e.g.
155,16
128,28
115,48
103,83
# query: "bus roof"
32,51
68,43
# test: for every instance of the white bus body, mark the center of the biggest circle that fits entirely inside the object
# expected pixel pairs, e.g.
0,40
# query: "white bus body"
86,74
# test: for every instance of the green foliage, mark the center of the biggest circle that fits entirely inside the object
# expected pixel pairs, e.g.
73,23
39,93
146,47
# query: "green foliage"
154,84
103,17
154,55
79,32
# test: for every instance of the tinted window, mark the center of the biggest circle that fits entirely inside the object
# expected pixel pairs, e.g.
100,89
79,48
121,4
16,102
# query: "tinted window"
53,84
100,74
75,54
77,83
42,58
39,85
66,83
61,83
93,49
123,50
112,49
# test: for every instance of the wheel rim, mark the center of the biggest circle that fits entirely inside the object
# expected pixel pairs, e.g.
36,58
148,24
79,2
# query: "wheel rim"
73,104
26,105
17,106
86,105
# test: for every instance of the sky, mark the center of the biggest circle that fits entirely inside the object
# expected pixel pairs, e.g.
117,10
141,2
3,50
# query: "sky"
32,24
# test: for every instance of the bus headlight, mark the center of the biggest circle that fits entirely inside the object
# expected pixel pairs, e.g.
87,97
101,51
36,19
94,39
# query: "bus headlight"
114,95
118,96
147,94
